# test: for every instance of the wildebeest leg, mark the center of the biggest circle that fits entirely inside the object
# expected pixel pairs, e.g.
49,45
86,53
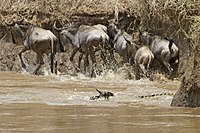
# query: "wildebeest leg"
38,66
165,58
112,58
132,60
142,67
103,56
167,65
142,62
56,67
72,58
39,63
39,59
147,66
137,71
93,58
20,56
125,57
79,60
86,62
73,54
148,63
112,55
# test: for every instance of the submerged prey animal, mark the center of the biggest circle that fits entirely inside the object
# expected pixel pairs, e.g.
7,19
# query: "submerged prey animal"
102,94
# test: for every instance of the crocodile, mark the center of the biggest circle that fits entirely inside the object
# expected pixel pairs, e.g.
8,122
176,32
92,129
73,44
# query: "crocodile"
157,94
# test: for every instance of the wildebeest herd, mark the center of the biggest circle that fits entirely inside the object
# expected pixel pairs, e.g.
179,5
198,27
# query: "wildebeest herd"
88,39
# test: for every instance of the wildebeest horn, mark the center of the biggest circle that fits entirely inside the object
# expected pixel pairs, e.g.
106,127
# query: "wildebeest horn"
151,34
70,24
21,18
122,31
9,23
139,29
54,26
120,19
116,13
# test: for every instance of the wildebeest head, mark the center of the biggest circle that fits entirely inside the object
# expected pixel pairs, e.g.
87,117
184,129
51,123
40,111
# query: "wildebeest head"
69,35
65,35
16,36
67,38
146,37
23,30
112,30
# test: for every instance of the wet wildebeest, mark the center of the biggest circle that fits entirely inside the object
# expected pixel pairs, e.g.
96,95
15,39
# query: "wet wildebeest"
38,40
122,43
86,39
143,58
163,50
102,94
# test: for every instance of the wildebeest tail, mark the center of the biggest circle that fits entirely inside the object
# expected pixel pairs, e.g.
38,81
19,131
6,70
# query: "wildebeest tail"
61,47
53,52
13,38
170,45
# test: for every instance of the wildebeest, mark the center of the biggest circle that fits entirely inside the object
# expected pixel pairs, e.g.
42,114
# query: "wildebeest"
143,58
86,39
163,50
122,43
38,40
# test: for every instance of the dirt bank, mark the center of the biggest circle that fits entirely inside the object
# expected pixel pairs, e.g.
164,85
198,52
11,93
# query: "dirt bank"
10,61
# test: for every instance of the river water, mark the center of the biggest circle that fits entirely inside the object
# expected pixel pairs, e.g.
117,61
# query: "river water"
61,104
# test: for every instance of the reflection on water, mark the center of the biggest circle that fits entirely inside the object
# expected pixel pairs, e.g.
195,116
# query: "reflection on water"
61,104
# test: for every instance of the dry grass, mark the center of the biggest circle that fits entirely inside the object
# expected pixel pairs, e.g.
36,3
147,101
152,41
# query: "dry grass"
37,11
177,18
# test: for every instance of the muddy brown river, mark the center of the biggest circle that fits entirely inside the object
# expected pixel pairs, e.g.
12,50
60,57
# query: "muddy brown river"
61,104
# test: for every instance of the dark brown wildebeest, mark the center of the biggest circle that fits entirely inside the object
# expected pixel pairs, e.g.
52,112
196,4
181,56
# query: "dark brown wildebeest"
38,40
163,50
143,58
86,39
